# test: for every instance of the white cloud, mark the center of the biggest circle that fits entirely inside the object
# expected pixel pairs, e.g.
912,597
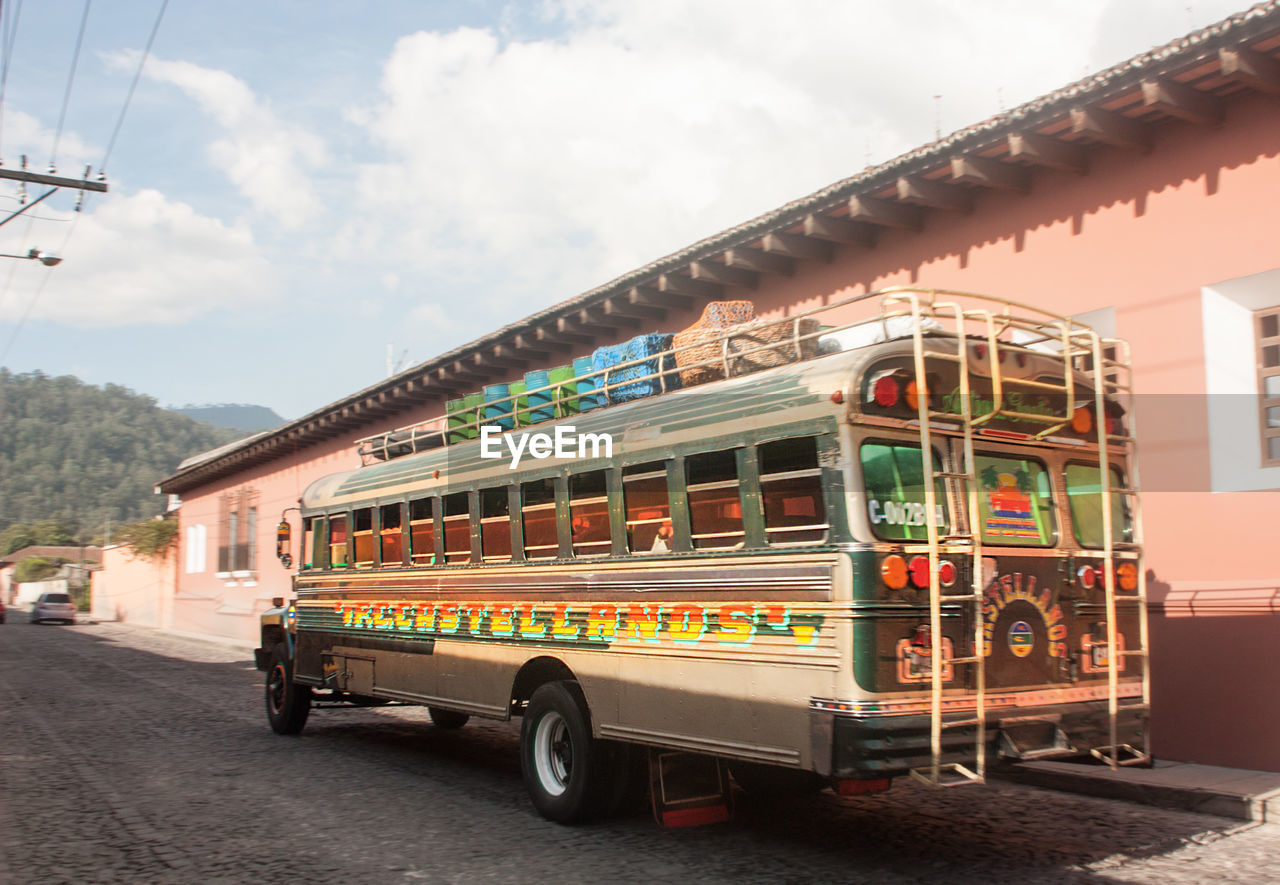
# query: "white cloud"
133,260
266,158
524,171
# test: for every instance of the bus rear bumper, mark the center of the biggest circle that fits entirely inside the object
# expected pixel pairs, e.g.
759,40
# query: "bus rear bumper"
878,746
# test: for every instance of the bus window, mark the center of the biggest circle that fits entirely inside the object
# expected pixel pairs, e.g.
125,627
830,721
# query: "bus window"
457,528
648,510
422,532
390,534
1084,496
1015,506
893,476
337,541
538,509
362,536
495,525
791,489
715,511
312,553
589,514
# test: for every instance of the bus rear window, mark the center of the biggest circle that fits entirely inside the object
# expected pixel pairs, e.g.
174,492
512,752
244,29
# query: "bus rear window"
1015,505
312,534
422,532
894,480
362,536
1084,496
715,511
538,508
457,528
648,511
589,514
495,525
390,534
791,490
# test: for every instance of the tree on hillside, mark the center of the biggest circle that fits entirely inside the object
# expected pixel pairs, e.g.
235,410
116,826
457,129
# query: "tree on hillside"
47,533
84,455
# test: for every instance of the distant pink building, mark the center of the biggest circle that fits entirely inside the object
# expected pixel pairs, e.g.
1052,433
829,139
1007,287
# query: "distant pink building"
1144,200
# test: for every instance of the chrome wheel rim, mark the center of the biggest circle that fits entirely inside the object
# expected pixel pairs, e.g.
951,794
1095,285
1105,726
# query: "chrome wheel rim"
553,753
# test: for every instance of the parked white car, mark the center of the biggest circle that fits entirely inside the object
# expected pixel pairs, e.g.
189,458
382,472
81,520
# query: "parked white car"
53,607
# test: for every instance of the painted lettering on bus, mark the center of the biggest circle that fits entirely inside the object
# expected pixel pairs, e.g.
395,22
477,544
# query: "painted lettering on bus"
682,623
1004,590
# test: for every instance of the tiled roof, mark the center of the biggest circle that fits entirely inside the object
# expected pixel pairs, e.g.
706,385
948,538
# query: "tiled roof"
1188,78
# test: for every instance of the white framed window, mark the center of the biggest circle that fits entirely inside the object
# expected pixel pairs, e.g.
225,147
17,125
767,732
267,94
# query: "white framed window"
196,547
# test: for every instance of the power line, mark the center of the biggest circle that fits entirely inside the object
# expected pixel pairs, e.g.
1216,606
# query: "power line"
102,167
44,281
8,34
71,76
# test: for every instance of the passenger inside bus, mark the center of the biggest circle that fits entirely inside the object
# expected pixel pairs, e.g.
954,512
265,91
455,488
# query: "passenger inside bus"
662,540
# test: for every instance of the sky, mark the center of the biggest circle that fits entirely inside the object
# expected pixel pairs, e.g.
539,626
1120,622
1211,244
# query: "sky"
299,185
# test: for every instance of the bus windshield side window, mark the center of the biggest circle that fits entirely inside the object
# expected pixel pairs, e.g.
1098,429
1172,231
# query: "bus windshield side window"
894,481
311,552
457,528
647,507
1084,496
589,514
1015,503
337,541
422,532
791,490
715,510
390,534
538,509
495,525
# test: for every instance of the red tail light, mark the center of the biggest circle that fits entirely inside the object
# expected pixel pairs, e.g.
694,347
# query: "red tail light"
1088,577
885,391
946,573
919,568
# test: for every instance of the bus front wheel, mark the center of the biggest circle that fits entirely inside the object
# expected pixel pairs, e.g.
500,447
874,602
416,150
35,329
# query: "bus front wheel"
565,769
288,704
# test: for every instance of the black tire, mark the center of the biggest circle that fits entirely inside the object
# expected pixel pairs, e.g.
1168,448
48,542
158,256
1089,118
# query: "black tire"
450,719
288,704
770,781
566,771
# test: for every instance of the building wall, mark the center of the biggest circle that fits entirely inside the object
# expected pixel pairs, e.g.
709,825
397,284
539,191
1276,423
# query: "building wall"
134,589
1144,238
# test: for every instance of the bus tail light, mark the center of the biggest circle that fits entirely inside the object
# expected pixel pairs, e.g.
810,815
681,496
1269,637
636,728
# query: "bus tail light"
893,571
918,569
1082,420
1088,577
885,391
946,573
1127,576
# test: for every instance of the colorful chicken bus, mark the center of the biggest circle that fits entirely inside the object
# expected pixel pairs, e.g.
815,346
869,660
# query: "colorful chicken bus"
910,547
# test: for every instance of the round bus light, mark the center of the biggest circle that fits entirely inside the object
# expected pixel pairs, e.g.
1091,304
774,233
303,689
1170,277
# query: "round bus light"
912,395
885,391
919,569
893,571
1127,576
1082,420
837,397
1088,577
946,573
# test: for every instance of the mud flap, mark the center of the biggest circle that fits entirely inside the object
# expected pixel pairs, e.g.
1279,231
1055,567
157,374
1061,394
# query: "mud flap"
688,790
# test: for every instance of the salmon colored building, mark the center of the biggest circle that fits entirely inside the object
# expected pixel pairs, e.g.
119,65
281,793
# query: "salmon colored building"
1144,200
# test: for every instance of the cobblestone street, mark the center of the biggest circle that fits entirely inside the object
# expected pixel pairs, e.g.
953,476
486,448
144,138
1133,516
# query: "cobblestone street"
132,756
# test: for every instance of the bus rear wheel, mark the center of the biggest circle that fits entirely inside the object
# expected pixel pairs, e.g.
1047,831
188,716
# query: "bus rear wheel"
565,769
288,704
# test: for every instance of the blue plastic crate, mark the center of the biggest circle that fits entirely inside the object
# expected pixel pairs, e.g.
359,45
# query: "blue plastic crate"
645,347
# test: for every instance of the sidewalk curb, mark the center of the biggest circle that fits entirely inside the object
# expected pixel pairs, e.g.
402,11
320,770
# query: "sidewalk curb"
1103,783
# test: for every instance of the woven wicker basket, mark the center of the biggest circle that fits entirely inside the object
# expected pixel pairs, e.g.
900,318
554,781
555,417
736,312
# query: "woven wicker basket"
765,344
699,338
